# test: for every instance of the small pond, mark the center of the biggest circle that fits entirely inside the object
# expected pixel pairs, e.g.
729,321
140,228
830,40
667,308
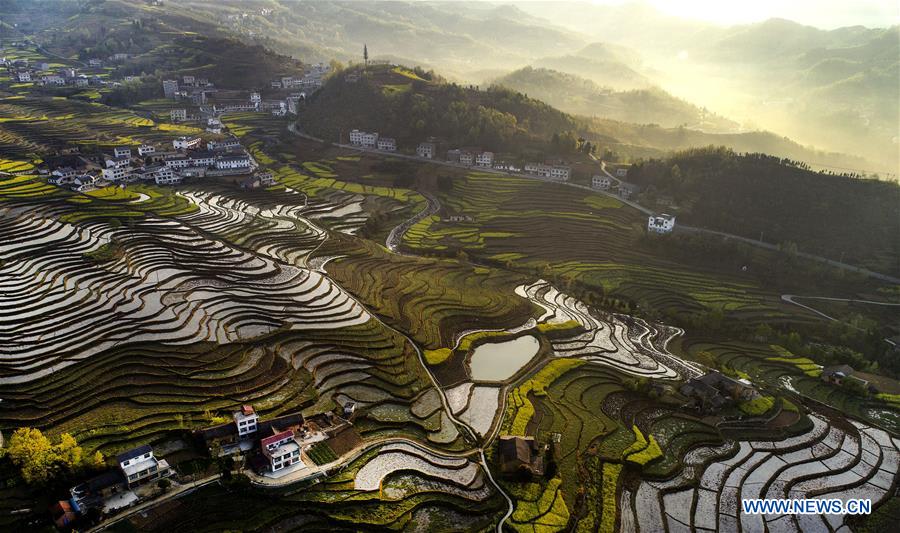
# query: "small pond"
497,361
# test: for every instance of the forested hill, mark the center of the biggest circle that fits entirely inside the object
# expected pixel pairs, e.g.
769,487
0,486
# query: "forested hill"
830,215
411,105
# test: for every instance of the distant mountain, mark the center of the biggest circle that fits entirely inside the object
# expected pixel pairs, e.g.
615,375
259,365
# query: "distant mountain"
579,96
457,37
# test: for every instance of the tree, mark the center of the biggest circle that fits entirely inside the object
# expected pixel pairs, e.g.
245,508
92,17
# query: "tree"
366,55
164,484
31,451
40,460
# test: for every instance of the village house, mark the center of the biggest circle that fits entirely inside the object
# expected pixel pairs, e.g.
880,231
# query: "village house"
63,515
146,149
364,139
139,465
83,183
387,144
230,143
715,390
454,155
484,159
178,115
119,57
117,162
425,150
621,172
627,190
281,450
165,176
122,151
601,182
841,374
95,63
662,224
170,88
62,175
117,173
23,76
520,455
53,80
186,143
188,80
246,421
553,172
233,162
81,81
67,72
466,158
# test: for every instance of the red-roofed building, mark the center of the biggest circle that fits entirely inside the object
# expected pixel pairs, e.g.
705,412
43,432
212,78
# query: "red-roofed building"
281,450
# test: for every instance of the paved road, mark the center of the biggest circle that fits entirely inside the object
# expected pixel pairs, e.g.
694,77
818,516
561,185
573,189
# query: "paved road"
792,298
183,490
396,235
639,207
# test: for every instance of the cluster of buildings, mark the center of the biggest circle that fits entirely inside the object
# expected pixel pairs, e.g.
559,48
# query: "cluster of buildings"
714,390
311,80
279,446
41,73
187,159
373,140
113,489
21,71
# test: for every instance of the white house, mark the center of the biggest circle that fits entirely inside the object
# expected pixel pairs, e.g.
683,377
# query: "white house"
117,173
140,465
178,115
188,80
53,79
223,145
661,223
81,81
233,162
621,172
601,182
425,150
387,144
560,173
362,138
23,76
166,176
246,420
95,63
146,149
62,175
255,98
281,450
122,151
186,143
484,159
553,172
84,183
466,158
117,162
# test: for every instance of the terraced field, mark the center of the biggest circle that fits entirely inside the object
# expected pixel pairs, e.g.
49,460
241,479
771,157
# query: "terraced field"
835,459
207,283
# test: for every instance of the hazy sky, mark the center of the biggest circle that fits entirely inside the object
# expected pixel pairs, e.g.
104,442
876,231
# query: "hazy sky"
821,13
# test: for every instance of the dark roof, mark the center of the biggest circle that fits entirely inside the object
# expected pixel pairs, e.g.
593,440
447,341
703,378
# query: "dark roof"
104,480
274,424
136,452
515,450
844,369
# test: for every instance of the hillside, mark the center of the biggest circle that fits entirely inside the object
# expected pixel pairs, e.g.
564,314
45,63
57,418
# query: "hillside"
158,40
580,96
400,103
835,216
412,105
